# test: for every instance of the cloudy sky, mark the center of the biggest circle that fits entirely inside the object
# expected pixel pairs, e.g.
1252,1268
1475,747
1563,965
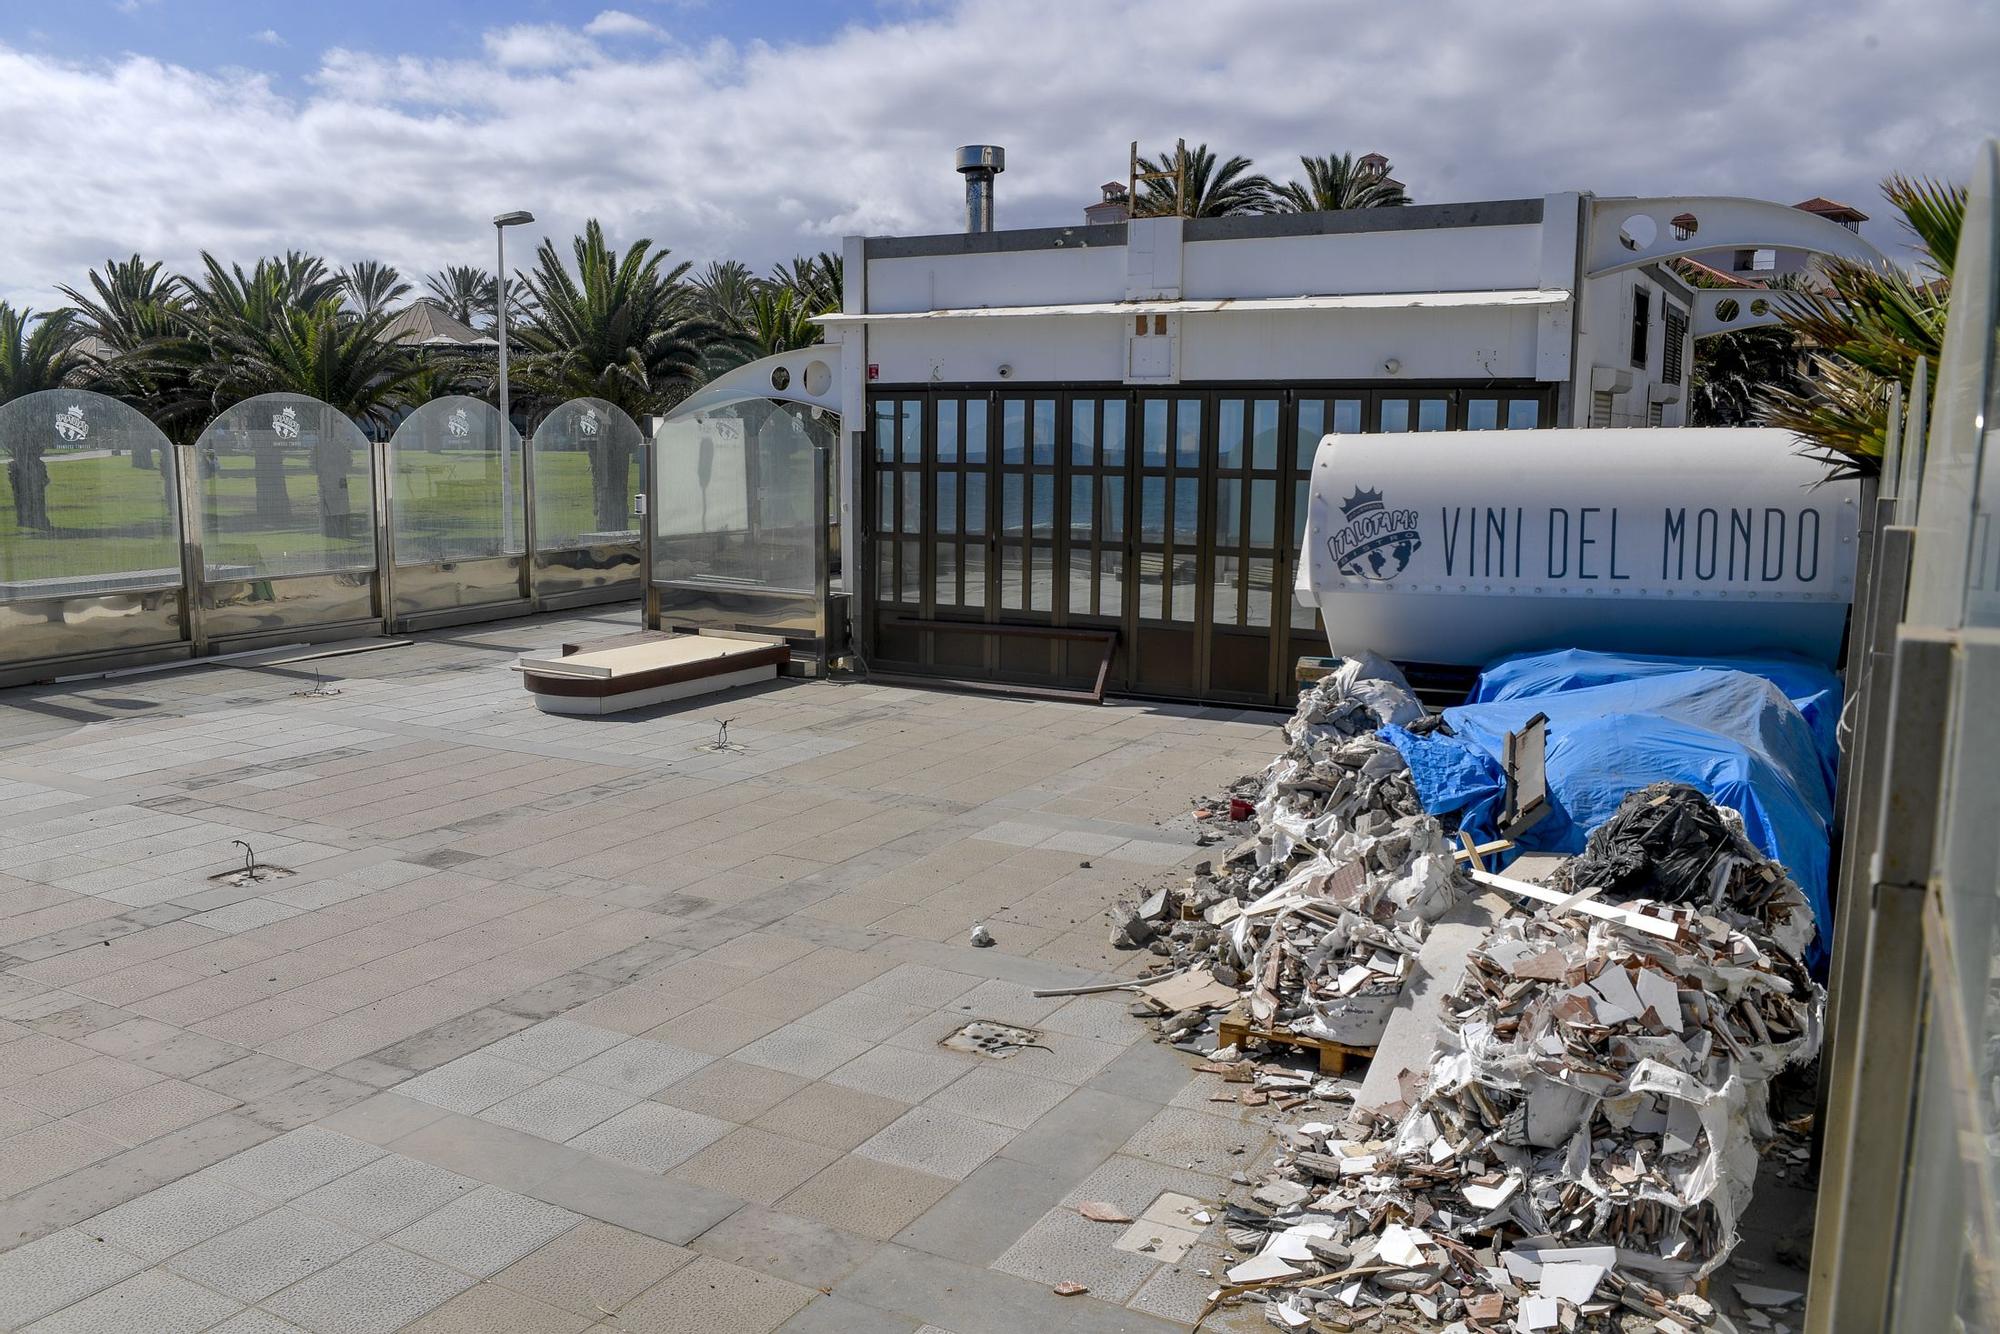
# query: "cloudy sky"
394,129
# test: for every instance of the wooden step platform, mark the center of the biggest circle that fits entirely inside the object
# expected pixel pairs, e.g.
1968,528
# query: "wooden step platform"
1238,1028
636,671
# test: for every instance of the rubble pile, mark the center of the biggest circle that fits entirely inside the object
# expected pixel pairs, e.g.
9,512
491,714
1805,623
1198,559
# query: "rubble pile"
1588,1131
1317,916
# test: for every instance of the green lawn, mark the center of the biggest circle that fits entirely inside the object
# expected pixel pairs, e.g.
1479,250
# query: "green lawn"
109,517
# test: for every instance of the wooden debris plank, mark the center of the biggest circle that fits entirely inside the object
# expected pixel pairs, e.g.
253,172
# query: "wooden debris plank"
1610,912
1237,1028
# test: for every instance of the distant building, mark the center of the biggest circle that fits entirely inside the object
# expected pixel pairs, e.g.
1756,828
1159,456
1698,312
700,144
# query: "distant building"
424,323
1755,266
1116,206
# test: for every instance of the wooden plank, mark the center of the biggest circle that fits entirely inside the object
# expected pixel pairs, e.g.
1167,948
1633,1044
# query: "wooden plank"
1610,912
632,659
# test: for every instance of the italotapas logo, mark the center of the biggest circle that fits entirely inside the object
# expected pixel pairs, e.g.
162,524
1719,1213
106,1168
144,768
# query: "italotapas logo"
286,424
459,423
587,424
71,426
1376,542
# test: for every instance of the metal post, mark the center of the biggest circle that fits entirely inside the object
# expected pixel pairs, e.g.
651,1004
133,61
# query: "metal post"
382,478
822,564
647,620
500,331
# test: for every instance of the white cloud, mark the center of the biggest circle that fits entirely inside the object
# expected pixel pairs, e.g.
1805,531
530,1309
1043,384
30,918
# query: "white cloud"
618,23
765,149
269,37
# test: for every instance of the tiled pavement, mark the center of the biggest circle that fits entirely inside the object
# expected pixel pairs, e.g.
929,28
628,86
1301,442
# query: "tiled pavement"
566,1024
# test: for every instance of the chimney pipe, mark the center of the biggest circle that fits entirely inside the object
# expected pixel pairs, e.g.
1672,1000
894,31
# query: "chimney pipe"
979,164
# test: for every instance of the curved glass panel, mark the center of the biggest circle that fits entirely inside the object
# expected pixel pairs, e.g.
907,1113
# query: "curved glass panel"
734,497
457,492
87,498
586,473
285,488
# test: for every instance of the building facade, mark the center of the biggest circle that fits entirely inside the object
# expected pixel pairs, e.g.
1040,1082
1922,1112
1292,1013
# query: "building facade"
1109,427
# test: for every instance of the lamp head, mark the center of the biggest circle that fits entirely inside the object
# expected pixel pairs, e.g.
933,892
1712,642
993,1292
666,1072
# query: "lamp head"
513,219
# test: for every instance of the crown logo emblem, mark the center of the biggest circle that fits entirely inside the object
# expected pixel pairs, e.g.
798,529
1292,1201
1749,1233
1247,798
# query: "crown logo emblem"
70,425
1361,502
1375,542
286,424
459,423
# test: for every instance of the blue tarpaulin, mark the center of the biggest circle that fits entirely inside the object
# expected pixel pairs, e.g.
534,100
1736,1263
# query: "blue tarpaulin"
1756,735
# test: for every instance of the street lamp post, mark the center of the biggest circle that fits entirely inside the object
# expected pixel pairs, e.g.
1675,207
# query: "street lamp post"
501,222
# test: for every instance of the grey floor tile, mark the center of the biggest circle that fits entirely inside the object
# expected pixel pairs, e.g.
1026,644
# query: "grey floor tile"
802,1049
294,1163
593,1268
942,1143
485,1231
800,1250
176,1216
1064,1246
152,1302
640,1067
374,1291
987,1212
555,1045
472,1083
991,1092
713,1297
652,1136
272,1251
559,1108
893,1072
969,1300
1080,1132
837,1315
654,1206
494,1154
63,1267
387,1195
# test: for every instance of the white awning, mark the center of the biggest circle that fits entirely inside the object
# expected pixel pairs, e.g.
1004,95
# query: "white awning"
1521,296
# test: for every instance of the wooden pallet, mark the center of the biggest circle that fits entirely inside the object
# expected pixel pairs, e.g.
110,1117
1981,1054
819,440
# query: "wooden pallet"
1237,1028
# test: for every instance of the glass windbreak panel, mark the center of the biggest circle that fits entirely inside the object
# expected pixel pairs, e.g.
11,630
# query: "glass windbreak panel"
1153,509
975,503
1153,437
1045,432
947,502
1263,512
87,498
913,430
886,517
1228,570
1300,492
1228,511
1181,596
1114,433
913,501
1264,434
1187,433
944,567
1013,508
1111,524
1482,414
1013,560
1079,508
1187,510
1430,414
1152,589
1312,425
1347,416
1042,504
586,473
1083,432
1395,415
975,430
1229,434
885,430
1524,414
735,503
947,431
1079,586
286,488
457,484
1110,582
1258,591
1013,431
974,558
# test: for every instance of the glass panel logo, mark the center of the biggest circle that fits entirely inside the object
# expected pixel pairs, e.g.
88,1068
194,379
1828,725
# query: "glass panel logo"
286,423
459,424
71,426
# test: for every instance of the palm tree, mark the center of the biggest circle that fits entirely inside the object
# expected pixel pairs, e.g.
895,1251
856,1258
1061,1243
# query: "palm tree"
35,354
817,279
133,312
1866,328
373,287
1198,187
724,290
1335,183
466,293
779,321
623,328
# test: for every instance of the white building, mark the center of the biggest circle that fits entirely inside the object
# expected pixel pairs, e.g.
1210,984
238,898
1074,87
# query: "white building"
1108,428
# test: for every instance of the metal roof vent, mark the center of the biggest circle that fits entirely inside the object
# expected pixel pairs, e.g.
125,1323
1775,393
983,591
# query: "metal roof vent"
979,164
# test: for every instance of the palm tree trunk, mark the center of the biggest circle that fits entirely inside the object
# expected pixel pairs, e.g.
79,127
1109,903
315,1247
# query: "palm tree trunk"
274,503
610,469
29,477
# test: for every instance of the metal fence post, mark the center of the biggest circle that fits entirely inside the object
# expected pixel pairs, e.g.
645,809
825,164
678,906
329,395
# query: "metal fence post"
382,479
194,559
